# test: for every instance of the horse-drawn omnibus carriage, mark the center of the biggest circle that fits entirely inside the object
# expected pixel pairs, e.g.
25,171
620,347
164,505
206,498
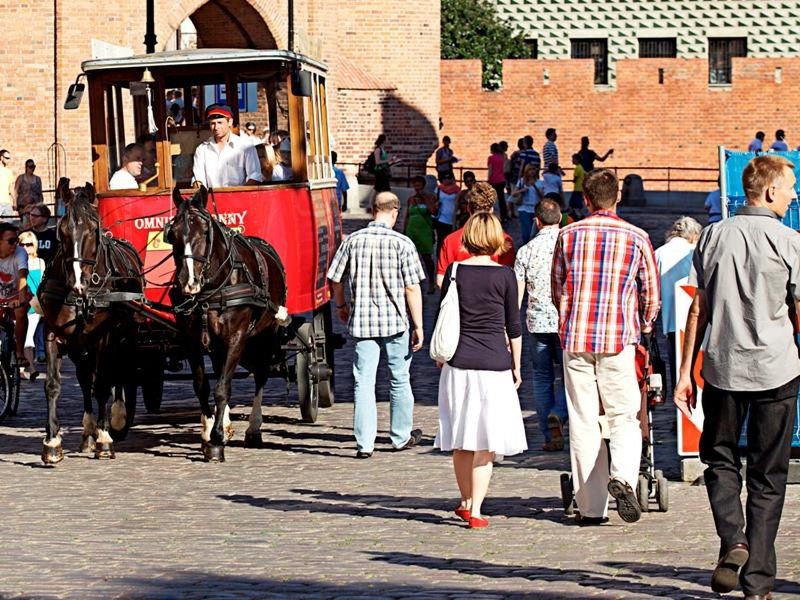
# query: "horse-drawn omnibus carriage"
300,218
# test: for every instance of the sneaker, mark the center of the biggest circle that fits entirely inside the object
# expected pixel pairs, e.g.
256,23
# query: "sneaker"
414,439
627,505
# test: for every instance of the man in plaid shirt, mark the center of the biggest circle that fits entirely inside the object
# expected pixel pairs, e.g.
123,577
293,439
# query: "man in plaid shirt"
385,274
605,286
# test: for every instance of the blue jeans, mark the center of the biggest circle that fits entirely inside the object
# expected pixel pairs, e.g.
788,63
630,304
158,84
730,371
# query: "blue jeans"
401,399
525,226
546,351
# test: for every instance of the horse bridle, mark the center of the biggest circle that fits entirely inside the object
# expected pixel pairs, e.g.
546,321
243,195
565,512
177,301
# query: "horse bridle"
206,259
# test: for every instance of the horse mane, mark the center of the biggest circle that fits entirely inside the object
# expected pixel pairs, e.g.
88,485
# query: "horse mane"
81,208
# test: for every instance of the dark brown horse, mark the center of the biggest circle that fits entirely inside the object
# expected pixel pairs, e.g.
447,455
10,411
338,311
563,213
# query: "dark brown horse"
83,297
228,296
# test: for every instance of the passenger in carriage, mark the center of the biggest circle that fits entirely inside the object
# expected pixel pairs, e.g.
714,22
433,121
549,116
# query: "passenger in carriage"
225,159
126,177
282,171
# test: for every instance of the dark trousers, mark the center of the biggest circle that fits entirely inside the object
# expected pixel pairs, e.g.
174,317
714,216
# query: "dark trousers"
769,435
442,231
500,188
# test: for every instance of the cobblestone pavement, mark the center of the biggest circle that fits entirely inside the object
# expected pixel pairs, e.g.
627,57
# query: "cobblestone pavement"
302,518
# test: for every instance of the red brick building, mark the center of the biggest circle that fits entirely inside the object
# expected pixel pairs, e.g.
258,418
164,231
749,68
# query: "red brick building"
383,59
660,113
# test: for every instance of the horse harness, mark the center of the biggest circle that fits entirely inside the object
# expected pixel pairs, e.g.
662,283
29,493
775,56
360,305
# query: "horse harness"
252,292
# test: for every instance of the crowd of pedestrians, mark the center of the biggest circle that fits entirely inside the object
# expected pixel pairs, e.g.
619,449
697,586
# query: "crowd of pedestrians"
27,244
595,287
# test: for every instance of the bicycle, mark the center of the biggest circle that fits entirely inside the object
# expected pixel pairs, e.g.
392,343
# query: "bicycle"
9,368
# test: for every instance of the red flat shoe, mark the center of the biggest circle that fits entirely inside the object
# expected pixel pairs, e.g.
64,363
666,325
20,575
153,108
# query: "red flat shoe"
462,513
478,523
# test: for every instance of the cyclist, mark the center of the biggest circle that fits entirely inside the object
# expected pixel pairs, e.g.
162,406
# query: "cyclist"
14,285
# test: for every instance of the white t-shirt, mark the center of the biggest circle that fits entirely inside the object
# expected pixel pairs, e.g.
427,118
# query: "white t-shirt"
9,272
233,165
123,180
281,173
674,261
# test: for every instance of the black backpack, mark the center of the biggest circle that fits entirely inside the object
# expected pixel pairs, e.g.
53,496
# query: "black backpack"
369,164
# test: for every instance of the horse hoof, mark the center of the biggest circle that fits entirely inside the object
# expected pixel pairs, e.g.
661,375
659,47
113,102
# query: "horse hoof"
88,445
118,435
214,453
105,450
253,440
52,455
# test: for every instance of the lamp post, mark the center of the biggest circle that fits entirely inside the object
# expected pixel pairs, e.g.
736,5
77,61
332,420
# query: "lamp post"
150,29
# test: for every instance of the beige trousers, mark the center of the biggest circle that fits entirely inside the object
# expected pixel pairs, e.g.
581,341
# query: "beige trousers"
591,379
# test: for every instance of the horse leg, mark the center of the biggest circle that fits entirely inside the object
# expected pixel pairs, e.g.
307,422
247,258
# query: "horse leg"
123,381
215,451
83,371
104,447
52,451
252,437
202,390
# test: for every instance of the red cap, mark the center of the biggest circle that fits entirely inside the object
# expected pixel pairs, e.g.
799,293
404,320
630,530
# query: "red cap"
218,110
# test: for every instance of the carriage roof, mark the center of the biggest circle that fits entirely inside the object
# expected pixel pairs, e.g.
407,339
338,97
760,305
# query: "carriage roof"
205,56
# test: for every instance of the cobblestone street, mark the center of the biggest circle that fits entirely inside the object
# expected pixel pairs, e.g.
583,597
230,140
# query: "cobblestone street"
302,518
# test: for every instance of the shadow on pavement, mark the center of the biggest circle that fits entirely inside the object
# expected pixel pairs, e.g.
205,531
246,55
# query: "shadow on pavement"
191,585
631,583
690,574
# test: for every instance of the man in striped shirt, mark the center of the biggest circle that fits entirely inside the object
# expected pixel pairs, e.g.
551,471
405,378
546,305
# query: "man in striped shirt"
605,287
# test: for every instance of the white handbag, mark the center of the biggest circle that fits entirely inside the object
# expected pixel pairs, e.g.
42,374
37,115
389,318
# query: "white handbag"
444,340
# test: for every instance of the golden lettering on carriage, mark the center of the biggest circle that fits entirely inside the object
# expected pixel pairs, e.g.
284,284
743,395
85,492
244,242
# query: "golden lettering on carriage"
234,220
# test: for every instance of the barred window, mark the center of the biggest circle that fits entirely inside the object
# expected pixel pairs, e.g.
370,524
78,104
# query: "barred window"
658,48
597,50
720,58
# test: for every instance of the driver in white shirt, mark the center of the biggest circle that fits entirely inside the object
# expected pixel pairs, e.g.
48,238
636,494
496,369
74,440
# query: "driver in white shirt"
225,159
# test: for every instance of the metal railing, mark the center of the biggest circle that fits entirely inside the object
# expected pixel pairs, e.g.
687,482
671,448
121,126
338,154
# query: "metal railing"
670,178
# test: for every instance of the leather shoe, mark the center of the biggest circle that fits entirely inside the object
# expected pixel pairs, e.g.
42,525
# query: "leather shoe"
590,521
415,437
726,574
362,454
767,596
478,523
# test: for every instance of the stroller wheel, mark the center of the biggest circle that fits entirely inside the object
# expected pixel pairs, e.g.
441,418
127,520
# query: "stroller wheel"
643,490
567,494
662,493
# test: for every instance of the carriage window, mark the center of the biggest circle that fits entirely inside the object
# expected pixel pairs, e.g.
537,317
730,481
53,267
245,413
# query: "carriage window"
319,163
126,123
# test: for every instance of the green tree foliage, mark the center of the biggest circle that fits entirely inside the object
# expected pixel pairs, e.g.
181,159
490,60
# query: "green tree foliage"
472,29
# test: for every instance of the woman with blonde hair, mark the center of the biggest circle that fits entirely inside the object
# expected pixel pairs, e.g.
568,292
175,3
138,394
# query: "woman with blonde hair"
29,242
479,412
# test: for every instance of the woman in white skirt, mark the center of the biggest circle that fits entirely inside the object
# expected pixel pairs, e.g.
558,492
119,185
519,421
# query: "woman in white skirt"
479,413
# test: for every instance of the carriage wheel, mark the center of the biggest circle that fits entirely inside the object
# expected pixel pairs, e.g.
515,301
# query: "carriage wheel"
662,492
323,322
5,394
153,382
644,492
307,388
567,494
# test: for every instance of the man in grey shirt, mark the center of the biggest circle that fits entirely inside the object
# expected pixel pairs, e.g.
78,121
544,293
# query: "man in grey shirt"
747,270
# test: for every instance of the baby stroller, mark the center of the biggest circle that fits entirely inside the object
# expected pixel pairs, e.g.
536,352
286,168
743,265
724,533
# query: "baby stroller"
652,485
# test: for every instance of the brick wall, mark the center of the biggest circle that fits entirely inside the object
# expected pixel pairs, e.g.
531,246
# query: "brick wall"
403,51
678,123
